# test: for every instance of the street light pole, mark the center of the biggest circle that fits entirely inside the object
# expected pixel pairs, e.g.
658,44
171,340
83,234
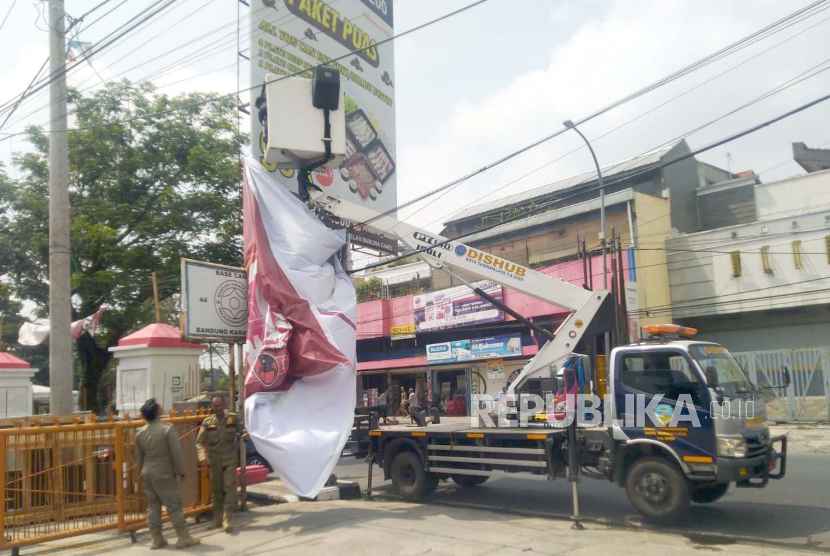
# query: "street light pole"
570,125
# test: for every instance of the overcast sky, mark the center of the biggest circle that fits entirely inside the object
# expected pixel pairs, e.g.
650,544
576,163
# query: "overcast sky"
484,83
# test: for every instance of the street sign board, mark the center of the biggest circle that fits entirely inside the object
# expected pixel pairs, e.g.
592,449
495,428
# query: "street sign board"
214,301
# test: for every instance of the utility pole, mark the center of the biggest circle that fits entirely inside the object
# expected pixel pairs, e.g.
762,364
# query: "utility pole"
60,311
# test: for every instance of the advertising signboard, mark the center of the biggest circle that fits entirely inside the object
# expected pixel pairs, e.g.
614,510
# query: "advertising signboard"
455,307
632,304
402,331
449,352
214,301
498,346
495,368
293,36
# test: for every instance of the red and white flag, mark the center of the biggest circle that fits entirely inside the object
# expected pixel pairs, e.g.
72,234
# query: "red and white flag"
300,354
34,334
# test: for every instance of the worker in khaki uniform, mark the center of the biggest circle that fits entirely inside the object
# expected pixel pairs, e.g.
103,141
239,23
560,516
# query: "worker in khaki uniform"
217,445
161,465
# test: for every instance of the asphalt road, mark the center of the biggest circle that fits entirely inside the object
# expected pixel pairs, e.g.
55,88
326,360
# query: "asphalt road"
793,512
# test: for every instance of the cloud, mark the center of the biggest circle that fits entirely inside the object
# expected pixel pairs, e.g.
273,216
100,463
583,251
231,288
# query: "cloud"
611,54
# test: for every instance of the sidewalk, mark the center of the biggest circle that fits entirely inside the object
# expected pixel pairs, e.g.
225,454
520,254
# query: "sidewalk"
358,527
804,438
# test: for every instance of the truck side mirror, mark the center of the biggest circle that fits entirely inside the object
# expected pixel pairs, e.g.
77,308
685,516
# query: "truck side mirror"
786,380
712,376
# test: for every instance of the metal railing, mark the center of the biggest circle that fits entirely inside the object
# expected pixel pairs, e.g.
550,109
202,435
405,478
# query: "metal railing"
64,480
808,396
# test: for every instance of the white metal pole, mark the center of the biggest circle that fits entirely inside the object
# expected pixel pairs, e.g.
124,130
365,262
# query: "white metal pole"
60,315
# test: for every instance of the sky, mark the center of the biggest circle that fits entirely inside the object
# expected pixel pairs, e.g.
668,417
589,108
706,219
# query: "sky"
495,78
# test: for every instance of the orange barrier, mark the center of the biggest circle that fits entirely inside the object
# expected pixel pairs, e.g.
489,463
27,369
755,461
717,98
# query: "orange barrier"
71,479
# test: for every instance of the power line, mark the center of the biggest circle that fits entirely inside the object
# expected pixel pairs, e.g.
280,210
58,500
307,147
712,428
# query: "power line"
257,87
662,164
105,43
754,37
195,56
8,13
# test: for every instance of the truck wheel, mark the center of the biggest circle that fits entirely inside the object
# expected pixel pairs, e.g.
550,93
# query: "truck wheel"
657,489
708,492
469,480
409,478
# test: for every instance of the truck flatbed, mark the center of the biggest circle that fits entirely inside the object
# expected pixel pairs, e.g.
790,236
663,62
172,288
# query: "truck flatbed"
457,428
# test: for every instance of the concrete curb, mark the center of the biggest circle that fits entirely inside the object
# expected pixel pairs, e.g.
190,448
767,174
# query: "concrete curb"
344,490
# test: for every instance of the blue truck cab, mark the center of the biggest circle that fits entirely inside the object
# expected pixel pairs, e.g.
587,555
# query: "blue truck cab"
711,432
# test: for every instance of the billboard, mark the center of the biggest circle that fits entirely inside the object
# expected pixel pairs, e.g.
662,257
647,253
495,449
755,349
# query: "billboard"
449,352
496,346
290,36
456,307
214,301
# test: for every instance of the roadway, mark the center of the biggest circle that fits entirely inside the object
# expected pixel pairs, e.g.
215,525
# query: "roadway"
794,512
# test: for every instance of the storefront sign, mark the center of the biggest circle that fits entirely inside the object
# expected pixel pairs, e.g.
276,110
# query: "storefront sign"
498,346
456,307
360,237
448,352
495,368
401,332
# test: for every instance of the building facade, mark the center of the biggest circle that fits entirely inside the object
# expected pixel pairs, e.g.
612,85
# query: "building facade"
762,283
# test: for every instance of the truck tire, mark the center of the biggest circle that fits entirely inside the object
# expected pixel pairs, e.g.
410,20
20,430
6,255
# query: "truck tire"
707,493
467,481
409,478
657,489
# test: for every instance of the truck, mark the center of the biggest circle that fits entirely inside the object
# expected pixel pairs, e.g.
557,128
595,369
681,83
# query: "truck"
705,425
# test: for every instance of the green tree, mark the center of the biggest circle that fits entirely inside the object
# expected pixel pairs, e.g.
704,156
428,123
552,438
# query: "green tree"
368,290
143,193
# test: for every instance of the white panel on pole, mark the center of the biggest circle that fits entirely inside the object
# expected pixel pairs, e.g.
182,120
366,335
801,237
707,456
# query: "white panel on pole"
214,301
292,36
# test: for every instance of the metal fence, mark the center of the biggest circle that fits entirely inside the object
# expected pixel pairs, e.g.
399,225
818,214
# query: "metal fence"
65,480
808,396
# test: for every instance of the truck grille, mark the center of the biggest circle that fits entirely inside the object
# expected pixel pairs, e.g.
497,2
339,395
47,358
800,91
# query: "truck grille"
757,445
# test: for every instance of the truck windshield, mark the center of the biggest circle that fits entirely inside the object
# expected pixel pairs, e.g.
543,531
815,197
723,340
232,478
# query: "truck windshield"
717,360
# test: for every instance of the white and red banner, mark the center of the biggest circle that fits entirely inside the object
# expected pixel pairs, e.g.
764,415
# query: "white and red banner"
300,354
35,334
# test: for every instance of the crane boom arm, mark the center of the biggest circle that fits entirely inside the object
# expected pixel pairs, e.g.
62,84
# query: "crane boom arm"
440,252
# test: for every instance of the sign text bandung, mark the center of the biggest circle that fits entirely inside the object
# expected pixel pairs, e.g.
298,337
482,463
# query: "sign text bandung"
215,301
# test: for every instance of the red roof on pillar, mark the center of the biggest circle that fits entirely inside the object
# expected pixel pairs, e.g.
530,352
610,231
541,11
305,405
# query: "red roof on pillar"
158,335
9,361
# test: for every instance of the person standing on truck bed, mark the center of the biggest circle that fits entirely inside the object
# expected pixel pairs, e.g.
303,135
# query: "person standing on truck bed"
382,406
217,445
161,464
413,404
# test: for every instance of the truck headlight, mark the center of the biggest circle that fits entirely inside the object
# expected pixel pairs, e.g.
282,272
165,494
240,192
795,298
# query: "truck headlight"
731,447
